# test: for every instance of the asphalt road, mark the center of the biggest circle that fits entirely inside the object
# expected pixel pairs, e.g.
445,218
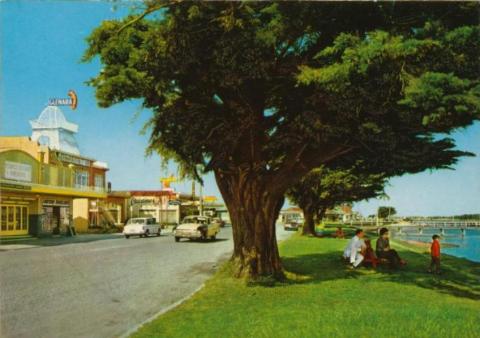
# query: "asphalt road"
101,288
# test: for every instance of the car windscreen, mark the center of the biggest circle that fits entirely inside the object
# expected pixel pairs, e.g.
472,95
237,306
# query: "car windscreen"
200,220
190,220
136,221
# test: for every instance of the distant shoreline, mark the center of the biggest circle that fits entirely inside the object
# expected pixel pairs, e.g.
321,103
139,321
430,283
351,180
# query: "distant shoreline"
420,244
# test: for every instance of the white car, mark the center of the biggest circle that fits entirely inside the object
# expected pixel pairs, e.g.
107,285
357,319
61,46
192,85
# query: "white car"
141,226
291,225
197,227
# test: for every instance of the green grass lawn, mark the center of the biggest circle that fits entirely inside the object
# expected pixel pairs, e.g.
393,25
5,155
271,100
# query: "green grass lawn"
323,298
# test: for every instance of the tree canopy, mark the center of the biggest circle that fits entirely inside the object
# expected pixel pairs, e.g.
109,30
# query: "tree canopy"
263,92
324,188
384,212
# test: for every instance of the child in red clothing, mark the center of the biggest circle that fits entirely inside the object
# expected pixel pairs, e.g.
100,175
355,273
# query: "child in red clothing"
435,253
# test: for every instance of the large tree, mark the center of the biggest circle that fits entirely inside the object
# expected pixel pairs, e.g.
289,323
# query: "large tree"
261,93
324,188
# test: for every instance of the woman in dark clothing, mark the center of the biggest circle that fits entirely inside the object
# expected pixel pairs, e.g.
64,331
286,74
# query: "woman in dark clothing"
384,251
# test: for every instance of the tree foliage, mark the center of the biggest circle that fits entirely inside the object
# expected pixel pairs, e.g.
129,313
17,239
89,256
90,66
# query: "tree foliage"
324,188
384,212
263,92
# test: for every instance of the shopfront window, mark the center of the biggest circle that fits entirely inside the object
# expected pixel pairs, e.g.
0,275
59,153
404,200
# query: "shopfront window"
4,218
18,218
13,219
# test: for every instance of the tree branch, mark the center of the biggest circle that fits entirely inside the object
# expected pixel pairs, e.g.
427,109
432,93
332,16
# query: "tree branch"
287,175
149,10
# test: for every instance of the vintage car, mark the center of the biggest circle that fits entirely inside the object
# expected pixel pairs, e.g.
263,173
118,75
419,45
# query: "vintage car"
197,227
291,225
219,221
141,226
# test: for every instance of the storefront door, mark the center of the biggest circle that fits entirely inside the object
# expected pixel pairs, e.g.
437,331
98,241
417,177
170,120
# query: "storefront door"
13,220
56,219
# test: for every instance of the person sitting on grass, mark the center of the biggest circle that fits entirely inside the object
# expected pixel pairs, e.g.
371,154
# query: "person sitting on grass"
435,253
370,257
339,233
354,249
385,252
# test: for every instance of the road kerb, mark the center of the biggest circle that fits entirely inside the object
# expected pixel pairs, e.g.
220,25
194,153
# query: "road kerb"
161,312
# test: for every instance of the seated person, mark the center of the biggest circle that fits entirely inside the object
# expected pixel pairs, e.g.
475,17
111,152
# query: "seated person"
370,257
354,249
339,233
385,252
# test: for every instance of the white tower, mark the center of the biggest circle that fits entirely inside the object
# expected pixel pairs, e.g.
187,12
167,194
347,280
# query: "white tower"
53,130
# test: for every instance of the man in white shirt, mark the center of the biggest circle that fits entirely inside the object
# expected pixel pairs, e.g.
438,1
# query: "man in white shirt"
354,249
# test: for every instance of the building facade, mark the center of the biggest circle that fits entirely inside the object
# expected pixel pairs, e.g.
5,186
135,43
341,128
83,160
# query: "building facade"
166,206
38,187
43,177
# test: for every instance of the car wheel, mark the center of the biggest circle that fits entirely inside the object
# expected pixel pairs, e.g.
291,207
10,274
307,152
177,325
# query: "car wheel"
158,232
127,236
147,233
177,239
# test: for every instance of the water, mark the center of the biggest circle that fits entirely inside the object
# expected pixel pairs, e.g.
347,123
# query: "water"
467,246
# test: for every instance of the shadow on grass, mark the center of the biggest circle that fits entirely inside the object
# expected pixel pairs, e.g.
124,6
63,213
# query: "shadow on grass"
460,277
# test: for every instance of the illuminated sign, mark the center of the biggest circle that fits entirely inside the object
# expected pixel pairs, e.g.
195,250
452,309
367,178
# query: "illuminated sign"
71,101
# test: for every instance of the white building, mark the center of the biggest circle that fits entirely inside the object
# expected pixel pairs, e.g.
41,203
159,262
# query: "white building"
52,129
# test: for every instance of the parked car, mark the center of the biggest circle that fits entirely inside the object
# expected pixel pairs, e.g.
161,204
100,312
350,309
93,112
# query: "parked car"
141,226
219,221
197,227
291,225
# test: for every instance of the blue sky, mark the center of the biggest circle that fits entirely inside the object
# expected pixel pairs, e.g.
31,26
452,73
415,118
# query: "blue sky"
42,43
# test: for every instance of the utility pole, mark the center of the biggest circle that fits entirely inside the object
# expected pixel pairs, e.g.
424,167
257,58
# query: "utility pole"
201,199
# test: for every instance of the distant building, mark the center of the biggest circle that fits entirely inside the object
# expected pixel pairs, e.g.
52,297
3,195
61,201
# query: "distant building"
342,212
291,214
167,206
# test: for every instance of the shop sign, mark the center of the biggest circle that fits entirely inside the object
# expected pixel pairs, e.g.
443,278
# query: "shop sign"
143,200
15,186
56,203
72,159
209,198
71,101
18,171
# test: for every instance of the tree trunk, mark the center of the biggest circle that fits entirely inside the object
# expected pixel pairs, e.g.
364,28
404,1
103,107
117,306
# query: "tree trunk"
309,225
254,208
320,214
